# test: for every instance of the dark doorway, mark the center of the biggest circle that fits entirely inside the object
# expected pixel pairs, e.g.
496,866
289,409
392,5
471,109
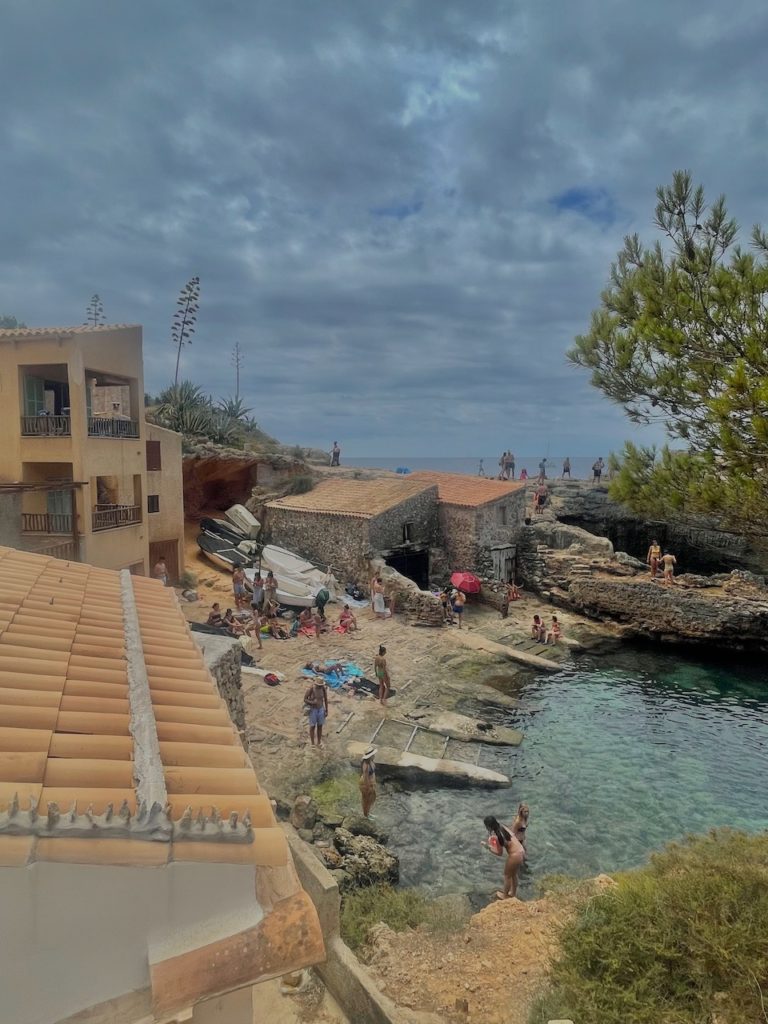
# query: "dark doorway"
413,564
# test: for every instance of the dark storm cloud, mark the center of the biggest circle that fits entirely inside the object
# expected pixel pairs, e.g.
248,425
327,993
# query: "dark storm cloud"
403,212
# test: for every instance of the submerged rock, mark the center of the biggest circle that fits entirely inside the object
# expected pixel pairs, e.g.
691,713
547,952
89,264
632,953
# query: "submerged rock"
359,825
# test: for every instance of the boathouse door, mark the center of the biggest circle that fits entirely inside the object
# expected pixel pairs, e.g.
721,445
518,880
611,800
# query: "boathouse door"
504,561
411,563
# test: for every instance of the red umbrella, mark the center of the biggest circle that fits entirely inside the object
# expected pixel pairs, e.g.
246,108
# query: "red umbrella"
466,581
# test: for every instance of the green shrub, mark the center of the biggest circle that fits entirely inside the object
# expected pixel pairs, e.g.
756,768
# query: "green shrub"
187,580
398,908
683,940
301,484
340,795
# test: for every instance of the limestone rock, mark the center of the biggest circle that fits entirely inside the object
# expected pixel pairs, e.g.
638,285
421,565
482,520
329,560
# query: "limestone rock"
304,813
190,595
307,835
366,862
359,825
331,858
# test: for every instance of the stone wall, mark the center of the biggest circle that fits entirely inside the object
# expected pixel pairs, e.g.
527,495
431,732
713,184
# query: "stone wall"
349,542
340,541
222,659
420,511
468,534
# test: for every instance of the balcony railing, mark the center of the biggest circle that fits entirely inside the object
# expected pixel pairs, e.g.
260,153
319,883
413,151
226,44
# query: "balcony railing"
46,426
107,426
109,517
68,550
46,522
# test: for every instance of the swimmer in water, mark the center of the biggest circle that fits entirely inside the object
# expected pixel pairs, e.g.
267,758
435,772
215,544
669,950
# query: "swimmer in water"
502,841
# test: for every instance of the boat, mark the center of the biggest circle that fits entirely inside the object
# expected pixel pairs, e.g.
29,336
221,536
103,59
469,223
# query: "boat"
221,552
291,593
286,565
230,538
223,528
244,520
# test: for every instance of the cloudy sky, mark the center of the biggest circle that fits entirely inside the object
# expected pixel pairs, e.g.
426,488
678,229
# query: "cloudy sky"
402,211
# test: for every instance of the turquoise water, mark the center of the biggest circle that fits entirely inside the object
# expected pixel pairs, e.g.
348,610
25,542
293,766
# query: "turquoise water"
621,755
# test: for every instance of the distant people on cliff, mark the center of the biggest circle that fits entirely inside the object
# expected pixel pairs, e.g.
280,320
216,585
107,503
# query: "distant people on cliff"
540,497
509,467
523,473
669,562
335,454
480,469
543,469
566,468
597,470
502,465
653,558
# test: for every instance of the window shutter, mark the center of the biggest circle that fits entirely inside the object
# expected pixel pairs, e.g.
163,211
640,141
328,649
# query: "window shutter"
153,456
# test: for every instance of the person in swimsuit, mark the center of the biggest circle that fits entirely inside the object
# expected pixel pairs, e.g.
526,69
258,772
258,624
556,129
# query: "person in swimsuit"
554,631
257,593
379,607
502,841
669,562
458,601
382,675
520,824
316,699
653,557
523,473
160,571
238,586
566,467
347,621
335,454
538,629
270,588
215,617
368,781
445,601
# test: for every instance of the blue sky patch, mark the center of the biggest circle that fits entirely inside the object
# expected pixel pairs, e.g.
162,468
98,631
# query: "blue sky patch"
596,204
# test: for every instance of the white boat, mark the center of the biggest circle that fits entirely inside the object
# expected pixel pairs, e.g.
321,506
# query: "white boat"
244,520
290,592
286,565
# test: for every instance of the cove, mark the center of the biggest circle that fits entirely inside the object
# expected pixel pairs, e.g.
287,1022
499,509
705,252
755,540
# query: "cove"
622,754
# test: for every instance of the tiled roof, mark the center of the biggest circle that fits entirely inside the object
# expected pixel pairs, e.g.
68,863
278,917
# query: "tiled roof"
36,332
65,715
362,499
470,491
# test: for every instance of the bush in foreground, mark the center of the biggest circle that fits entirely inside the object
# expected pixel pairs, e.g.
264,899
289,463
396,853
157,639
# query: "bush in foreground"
398,908
681,941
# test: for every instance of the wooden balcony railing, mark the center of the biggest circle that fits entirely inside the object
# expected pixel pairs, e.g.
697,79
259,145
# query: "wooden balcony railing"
109,517
46,426
106,426
46,522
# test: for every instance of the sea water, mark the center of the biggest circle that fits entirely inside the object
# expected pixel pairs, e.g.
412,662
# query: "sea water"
621,755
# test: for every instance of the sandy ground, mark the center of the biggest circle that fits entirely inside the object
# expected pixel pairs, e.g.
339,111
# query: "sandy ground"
497,965
313,1005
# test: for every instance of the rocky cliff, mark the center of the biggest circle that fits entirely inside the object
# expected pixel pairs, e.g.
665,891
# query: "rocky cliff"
216,478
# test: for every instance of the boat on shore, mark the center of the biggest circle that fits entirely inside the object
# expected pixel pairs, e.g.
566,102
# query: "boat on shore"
291,593
244,521
222,553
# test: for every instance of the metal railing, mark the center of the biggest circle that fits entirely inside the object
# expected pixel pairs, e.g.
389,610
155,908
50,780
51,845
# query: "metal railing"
107,426
68,550
109,517
46,426
46,522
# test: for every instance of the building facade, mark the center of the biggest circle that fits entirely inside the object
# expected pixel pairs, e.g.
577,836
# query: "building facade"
344,523
75,445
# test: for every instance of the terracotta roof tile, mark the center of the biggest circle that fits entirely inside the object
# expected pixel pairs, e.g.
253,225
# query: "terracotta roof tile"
469,491
65,739
362,499
41,332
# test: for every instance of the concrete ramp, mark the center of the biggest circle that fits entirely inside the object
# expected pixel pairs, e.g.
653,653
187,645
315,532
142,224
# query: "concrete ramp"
403,764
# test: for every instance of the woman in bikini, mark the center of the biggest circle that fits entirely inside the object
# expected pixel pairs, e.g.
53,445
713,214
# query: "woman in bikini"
653,557
382,674
520,824
368,780
501,841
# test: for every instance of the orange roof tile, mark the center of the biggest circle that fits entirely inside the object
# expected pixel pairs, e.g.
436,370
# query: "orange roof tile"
362,499
38,332
469,491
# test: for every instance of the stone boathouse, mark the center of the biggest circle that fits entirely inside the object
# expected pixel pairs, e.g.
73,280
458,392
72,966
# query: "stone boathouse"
479,521
344,523
143,877
423,525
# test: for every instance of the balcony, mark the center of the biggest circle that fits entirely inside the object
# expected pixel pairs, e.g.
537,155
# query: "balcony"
110,517
46,522
107,426
46,426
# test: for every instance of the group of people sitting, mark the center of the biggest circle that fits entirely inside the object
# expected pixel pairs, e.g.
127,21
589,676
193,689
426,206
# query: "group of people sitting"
543,635
310,622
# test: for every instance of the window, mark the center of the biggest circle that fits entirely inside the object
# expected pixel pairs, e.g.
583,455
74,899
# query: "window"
501,513
153,503
407,533
154,461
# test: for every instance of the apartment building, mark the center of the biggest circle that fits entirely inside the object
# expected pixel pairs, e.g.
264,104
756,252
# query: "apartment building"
74,476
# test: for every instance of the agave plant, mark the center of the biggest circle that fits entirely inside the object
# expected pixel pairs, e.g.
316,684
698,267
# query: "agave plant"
235,409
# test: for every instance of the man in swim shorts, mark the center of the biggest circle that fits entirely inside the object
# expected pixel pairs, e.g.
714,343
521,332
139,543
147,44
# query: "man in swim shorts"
316,699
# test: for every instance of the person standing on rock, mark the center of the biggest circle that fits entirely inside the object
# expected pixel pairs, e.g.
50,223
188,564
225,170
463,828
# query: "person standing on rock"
335,454
458,600
316,699
566,468
368,780
382,675
653,557
669,562
501,841
597,470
